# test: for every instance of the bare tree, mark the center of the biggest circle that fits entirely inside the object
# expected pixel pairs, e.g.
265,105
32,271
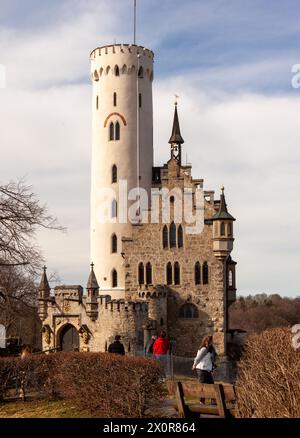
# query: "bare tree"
21,215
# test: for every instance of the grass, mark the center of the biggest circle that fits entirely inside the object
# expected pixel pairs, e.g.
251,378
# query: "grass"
41,409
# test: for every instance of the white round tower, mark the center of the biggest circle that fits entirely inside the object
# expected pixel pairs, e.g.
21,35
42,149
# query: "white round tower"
122,149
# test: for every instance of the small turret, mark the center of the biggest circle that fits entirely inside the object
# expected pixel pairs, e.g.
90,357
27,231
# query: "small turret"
92,295
176,139
222,230
44,295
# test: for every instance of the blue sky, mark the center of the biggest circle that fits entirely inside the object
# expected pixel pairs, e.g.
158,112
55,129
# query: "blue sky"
229,61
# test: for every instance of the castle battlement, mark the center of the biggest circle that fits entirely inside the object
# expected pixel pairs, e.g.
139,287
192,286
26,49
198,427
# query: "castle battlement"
123,49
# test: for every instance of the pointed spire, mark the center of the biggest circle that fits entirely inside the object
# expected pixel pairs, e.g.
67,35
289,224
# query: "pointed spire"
176,135
44,284
92,281
223,212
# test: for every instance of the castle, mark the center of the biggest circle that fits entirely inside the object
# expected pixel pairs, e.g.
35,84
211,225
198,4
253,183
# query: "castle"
148,273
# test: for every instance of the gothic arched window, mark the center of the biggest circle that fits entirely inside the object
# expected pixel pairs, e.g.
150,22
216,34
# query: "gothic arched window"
114,243
172,238
141,273
141,72
189,311
114,208
117,131
114,278
176,273
115,99
197,273
180,236
111,131
114,174
165,237
117,71
205,273
229,229
148,273
169,273
222,229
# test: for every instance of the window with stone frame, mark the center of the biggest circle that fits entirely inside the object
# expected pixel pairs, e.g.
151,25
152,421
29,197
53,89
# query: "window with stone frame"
114,174
180,236
176,273
148,273
172,238
117,131
114,278
169,273
188,311
111,131
141,273
165,237
222,229
114,244
197,273
205,273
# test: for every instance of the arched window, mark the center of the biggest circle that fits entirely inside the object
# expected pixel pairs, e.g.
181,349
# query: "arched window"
176,273
148,273
97,102
205,273
117,71
197,273
216,228
172,238
111,131
114,208
114,243
180,236
141,72
115,99
165,237
188,310
117,131
114,278
222,229
141,273
169,273
114,174
230,278
229,229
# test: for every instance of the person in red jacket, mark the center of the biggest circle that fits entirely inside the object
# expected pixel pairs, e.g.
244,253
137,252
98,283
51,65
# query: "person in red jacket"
160,351
161,345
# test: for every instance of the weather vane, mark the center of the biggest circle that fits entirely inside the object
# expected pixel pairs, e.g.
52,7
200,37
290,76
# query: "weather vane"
176,99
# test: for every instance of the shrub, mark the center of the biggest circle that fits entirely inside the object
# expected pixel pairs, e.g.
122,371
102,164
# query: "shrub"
108,385
268,384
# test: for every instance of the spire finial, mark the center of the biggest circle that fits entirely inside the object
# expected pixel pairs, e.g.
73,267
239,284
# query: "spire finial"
222,189
92,266
176,99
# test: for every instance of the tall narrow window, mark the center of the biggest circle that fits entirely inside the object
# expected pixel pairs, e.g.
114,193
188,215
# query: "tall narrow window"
140,100
222,229
97,102
165,237
117,71
114,278
111,131
205,273
229,229
114,208
172,235
176,273
148,273
141,72
230,278
117,131
114,174
114,243
169,273
141,273
115,99
180,236
197,273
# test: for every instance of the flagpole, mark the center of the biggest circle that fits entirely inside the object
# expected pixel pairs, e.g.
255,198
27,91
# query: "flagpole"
134,26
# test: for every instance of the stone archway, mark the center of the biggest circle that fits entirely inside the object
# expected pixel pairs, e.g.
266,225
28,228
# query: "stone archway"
69,338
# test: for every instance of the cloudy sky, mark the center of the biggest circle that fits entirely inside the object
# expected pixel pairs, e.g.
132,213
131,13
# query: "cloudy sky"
229,61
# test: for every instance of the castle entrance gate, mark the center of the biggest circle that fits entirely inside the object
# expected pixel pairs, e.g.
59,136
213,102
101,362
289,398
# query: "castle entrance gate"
69,338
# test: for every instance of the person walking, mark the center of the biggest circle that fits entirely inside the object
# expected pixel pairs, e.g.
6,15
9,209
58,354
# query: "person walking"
160,350
116,347
204,362
149,346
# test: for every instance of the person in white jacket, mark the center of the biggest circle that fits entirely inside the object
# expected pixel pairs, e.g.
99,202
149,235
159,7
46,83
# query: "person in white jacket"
204,362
